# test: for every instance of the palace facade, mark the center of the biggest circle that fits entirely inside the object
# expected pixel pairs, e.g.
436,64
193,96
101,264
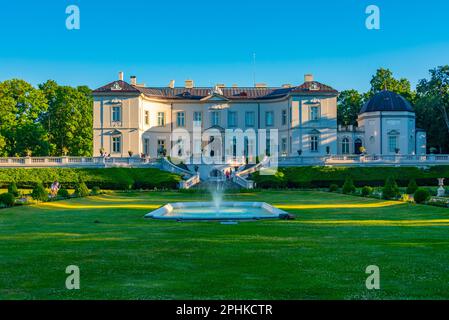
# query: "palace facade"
132,117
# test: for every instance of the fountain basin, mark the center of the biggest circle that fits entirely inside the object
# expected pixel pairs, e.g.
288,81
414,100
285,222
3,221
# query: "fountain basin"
208,211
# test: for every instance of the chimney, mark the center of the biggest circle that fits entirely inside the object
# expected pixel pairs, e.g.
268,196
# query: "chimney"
189,84
235,85
133,80
120,75
261,85
171,84
286,86
221,85
308,78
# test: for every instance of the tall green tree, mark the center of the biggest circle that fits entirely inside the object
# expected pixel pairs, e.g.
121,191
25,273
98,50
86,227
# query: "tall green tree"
349,104
68,120
432,108
384,80
22,107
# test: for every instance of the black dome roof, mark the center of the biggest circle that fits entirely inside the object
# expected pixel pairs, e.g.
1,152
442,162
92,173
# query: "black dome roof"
387,101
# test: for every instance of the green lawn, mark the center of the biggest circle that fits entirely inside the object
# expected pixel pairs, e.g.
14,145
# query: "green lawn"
321,255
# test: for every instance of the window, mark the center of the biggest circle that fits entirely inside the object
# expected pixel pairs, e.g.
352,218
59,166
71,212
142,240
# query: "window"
392,143
117,144
268,147
358,146
250,118
345,146
284,146
180,119
234,147
197,116
161,119
284,117
215,118
116,114
232,118
314,143
314,113
146,146
269,118
147,117
161,147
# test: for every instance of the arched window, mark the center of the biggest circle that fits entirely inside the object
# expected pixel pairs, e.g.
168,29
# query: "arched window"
345,146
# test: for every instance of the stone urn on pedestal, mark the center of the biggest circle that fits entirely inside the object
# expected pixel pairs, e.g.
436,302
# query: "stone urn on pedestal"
441,190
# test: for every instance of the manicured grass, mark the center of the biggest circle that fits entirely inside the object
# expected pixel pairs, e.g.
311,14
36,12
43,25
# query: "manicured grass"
321,255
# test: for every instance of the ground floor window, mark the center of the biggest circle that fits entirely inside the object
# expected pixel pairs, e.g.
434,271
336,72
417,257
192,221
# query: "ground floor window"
161,150
284,146
345,146
358,146
392,143
146,146
117,144
314,143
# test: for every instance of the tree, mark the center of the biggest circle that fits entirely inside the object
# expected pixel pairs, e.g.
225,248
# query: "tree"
421,196
349,104
432,107
39,193
7,199
22,107
384,80
412,187
69,118
12,189
348,186
81,190
391,189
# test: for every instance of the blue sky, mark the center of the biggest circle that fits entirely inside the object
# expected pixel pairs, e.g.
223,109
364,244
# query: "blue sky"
214,41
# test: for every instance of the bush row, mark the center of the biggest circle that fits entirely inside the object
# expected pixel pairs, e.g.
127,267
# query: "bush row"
110,178
324,177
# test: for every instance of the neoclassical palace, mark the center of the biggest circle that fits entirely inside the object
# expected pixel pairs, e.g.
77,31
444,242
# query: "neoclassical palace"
132,117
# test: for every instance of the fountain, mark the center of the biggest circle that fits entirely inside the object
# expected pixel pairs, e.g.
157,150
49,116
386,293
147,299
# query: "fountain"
218,210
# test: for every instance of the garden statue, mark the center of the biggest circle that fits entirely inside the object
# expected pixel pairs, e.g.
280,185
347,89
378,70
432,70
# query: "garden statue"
441,190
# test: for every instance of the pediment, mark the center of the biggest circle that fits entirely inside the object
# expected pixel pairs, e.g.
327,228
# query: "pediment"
215,97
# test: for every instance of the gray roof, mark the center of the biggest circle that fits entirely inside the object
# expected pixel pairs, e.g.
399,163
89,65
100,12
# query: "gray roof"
198,93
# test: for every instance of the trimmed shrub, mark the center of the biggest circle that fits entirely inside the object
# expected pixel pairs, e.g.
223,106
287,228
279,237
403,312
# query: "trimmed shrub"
333,188
12,189
275,181
105,178
63,193
81,190
323,177
391,189
412,187
7,199
96,190
348,186
367,191
421,196
39,193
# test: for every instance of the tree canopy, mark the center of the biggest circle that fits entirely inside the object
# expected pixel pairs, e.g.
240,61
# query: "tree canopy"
44,121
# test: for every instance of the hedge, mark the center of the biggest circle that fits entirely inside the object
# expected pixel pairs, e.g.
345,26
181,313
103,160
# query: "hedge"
105,178
324,177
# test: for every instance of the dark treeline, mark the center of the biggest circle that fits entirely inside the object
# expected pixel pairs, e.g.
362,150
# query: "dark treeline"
50,120
430,101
